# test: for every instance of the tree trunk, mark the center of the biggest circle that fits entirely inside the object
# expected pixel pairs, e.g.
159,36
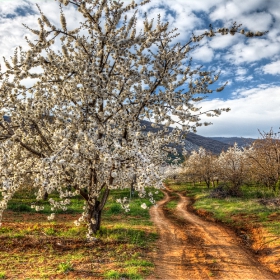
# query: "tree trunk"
132,188
46,196
95,211
94,216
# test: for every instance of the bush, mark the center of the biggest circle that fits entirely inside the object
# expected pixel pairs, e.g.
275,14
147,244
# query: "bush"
20,208
223,191
272,202
115,209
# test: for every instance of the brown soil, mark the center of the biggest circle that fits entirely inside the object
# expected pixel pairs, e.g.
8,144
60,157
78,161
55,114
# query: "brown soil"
192,248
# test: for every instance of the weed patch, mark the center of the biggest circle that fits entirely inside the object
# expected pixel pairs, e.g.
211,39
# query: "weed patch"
65,267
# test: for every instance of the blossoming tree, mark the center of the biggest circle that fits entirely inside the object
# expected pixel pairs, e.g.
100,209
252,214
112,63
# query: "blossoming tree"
201,166
264,159
233,167
77,129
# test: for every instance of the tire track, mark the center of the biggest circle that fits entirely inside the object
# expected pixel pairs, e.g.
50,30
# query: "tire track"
198,249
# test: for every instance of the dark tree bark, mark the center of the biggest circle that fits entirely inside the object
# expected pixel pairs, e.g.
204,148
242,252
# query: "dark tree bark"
46,196
95,212
208,182
95,215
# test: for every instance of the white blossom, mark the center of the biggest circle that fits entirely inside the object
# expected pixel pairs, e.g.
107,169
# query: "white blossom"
144,206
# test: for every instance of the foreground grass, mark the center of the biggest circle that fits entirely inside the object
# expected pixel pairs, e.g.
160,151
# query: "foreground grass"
33,248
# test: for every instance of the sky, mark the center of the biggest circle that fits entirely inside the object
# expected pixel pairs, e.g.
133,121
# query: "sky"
250,65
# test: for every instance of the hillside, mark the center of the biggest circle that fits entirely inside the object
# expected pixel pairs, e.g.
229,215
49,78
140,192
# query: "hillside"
194,141
213,145
241,142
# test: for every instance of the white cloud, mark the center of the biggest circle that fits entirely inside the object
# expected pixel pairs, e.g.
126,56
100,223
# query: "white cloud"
274,9
222,42
244,78
202,5
240,75
184,5
272,68
232,9
256,49
229,82
255,15
256,21
241,71
9,7
203,53
12,32
251,110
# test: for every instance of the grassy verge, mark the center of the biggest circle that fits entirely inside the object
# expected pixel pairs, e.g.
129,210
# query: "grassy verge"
257,224
34,248
172,203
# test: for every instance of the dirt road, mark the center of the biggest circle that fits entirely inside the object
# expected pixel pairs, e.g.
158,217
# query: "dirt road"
192,248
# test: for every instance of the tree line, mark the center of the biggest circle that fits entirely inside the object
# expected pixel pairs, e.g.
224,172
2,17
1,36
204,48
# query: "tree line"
258,163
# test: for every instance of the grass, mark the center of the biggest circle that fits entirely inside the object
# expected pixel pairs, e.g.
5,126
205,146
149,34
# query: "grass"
65,267
34,248
127,273
171,204
22,202
137,263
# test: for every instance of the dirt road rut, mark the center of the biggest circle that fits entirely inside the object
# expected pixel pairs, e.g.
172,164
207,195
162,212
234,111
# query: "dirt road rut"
197,249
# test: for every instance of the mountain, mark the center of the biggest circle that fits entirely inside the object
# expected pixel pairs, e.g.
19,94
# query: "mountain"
194,141
241,142
213,145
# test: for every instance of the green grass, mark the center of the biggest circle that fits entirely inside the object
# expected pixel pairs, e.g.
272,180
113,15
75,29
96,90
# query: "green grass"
138,262
22,203
2,275
197,191
171,204
65,267
136,215
124,233
52,248
127,273
112,274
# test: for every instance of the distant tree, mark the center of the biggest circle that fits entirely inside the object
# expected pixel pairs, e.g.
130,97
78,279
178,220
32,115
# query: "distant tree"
232,167
173,171
201,166
264,156
77,130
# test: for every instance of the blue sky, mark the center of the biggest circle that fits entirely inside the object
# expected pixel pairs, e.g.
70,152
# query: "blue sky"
250,65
